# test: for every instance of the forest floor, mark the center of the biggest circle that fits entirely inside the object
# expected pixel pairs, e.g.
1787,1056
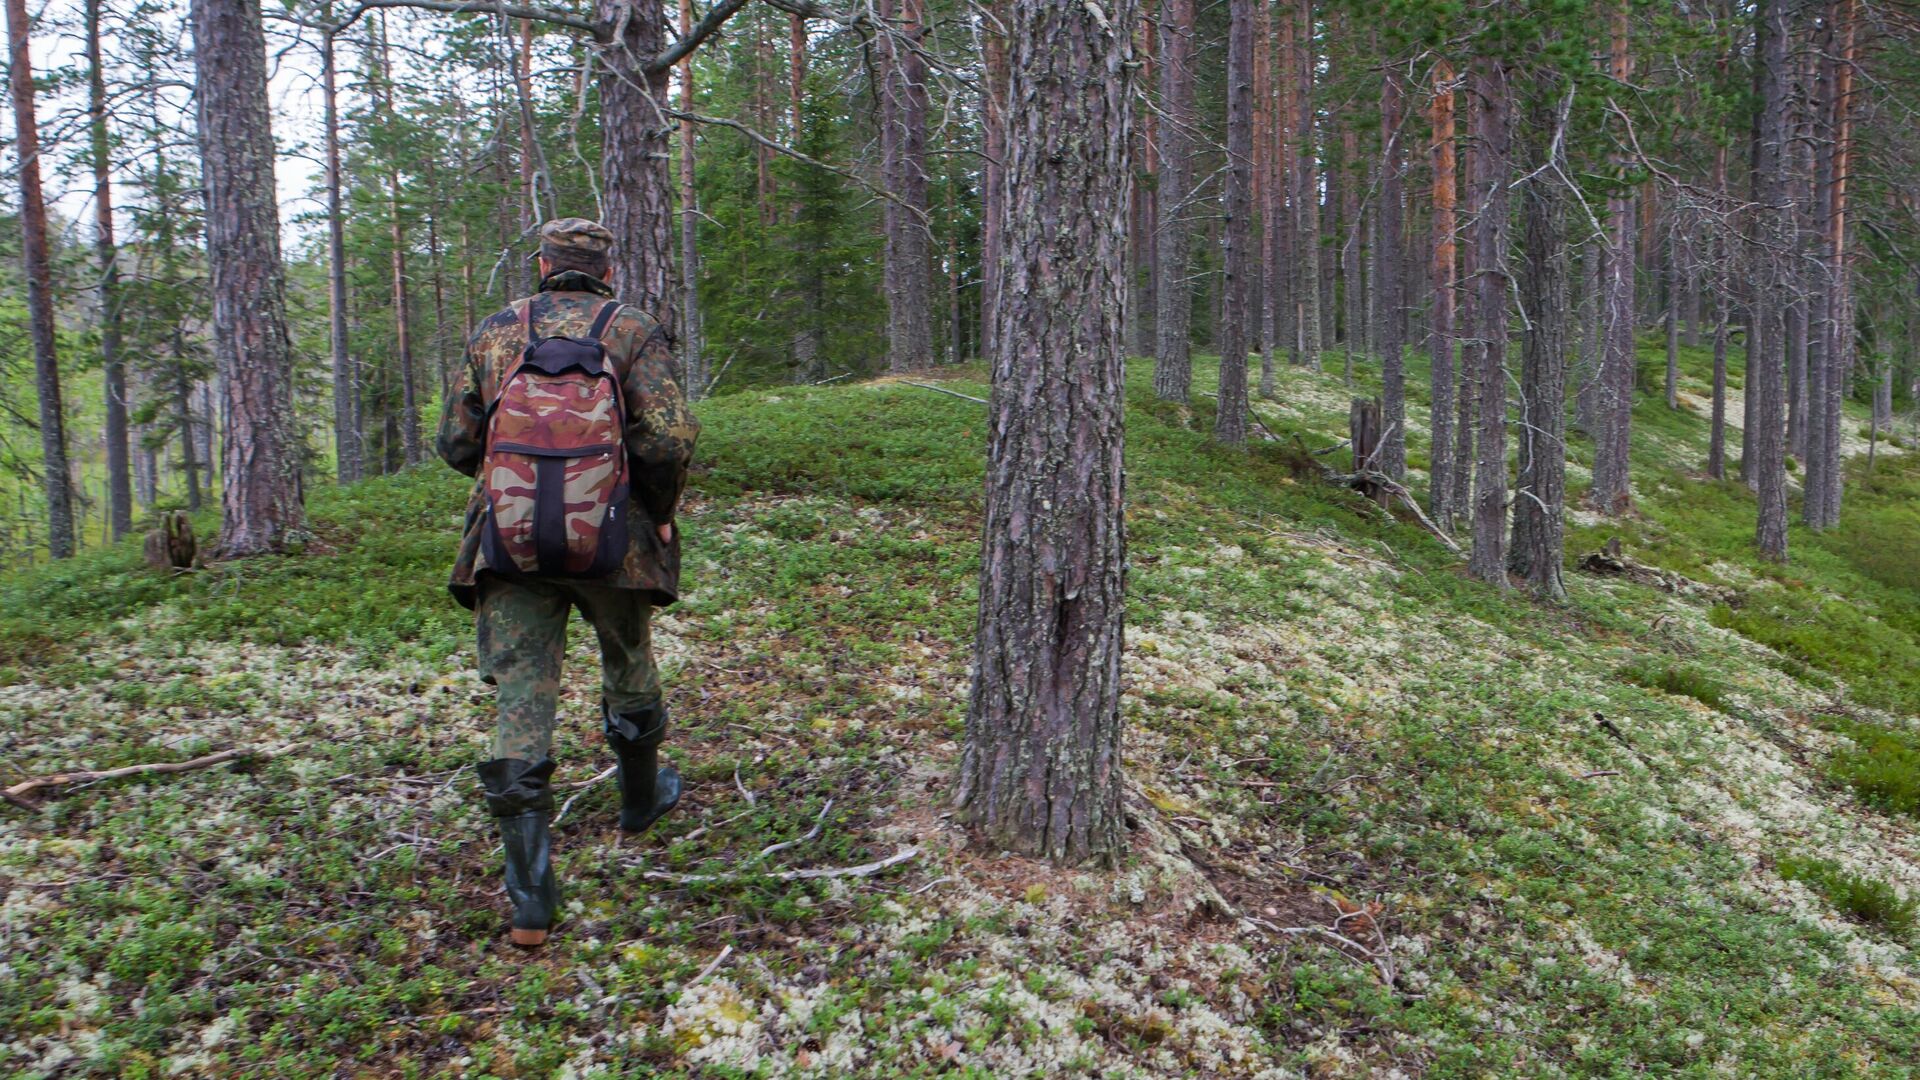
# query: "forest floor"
1381,828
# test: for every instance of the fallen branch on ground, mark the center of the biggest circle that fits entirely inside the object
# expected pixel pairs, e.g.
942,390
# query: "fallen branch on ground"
583,786
943,390
818,824
813,874
17,793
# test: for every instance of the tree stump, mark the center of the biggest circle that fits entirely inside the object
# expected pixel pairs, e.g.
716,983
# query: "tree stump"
1366,429
171,546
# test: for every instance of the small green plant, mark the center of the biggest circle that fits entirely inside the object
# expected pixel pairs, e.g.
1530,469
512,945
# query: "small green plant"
1883,765
1863,899
1684,680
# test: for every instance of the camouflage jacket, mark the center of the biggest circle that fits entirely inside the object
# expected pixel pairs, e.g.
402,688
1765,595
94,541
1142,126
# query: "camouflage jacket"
660,428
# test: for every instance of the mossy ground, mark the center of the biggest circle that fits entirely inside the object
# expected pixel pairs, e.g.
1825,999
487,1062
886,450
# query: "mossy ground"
1381,829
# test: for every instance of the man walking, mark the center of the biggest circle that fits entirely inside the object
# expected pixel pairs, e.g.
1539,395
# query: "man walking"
567,416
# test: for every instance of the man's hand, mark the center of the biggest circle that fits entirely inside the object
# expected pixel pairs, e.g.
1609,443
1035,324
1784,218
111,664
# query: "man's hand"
666,533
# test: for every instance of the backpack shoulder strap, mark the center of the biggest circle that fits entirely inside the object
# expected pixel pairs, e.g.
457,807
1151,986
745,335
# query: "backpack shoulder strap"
603,318
526,319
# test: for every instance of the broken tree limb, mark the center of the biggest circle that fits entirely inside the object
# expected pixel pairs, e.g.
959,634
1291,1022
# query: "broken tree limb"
17,793
812,874
943,390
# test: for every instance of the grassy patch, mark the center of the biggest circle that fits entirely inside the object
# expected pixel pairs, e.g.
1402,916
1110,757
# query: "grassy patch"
1861,898
1883,765
1684,680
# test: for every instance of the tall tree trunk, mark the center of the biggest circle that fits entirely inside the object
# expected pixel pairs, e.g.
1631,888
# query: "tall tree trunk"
1491,120
993,183
1441,462
1843,21
1146,227
693,346
119,463
57,472
633,156
1612,491
1673,322
1774,231
1270,295
1722,303
414,453
1389,279
1538,529
903,144
1173,297
1306,191
1041,769
1351,255
348,433
1236,311
260,489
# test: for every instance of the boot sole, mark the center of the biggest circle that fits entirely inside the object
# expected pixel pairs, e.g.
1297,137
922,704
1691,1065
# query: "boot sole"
528,938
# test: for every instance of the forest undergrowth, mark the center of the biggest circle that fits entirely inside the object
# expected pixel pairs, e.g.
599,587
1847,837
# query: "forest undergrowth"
1388,821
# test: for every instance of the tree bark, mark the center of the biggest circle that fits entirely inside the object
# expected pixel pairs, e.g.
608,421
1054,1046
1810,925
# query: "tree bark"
412,449
113,366
993,183
260,489
633,158
694,376
1389,281
57,472
903,147
1173,297
1538,550
348,435
1722,303
1773,231
1041,770
1441,461
1241,259
1612,490
1491,121
1306,192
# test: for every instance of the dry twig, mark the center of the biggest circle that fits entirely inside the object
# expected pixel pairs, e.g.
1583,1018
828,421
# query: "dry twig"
17,793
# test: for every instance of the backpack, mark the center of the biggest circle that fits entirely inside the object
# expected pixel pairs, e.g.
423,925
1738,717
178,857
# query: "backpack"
555,471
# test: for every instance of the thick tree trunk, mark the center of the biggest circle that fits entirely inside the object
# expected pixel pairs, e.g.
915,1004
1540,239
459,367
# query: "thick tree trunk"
1774,230
903,147
1389,280
1441,462
58,476
1236,311
1146,228
113,367
260,486
633,157
1041,769
1271,293
1491,122
1173,297
1538,529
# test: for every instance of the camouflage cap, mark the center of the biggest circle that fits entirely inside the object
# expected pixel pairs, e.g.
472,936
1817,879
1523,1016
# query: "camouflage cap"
576,236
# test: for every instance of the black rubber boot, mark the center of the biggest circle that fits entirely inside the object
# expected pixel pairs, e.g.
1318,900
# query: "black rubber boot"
647,791
521,801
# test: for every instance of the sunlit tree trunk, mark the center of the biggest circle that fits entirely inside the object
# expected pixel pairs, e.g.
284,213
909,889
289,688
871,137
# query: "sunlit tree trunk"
1236,311
260,489
1041,770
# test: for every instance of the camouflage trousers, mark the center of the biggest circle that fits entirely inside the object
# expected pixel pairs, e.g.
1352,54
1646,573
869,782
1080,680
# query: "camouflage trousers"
522,627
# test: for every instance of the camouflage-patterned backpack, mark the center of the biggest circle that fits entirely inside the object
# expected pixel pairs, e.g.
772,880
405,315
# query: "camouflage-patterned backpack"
555,474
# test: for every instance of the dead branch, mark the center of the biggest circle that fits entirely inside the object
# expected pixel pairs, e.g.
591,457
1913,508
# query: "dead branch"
812,874
17,793
943,390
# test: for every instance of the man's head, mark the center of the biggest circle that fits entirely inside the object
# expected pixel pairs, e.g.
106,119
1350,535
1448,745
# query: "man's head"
576,244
